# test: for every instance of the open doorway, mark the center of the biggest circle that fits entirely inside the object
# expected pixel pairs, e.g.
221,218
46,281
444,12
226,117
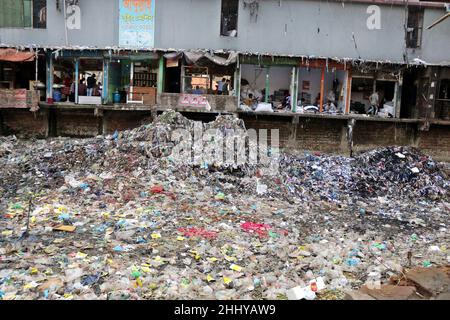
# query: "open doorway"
362,88
173,75
90,81
409,94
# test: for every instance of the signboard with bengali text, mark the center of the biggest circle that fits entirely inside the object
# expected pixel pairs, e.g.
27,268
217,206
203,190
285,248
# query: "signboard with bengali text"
194,100
136,23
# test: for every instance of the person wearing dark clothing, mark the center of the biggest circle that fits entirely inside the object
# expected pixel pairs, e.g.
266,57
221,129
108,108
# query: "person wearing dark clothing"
91,84
82,88
226,88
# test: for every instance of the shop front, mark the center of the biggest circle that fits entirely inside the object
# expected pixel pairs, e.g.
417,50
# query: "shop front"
96,77
284,84
199,81
19,79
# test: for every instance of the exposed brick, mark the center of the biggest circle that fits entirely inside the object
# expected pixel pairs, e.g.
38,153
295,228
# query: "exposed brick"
435,141
371,133
77,123
123,120
23,122
319,134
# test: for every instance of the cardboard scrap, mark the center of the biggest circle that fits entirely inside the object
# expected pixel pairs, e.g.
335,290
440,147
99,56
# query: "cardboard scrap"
66,228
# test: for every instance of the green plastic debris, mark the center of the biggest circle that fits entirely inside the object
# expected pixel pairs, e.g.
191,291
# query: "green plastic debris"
220,196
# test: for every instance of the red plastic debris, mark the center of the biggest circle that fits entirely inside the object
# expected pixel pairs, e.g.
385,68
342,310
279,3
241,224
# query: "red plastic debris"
258,228
157,189
198,232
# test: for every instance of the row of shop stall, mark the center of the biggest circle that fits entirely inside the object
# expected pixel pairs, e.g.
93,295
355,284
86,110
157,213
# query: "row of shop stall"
282,84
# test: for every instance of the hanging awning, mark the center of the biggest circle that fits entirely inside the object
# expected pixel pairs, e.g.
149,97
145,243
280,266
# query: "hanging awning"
12,55
192,58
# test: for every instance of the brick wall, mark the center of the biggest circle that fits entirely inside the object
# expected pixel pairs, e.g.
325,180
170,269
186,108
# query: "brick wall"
317,134
24,123
123,120
435,142
78,123
283,124
371,134
295,132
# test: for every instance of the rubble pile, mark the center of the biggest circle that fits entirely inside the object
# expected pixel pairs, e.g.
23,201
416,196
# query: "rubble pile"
117,217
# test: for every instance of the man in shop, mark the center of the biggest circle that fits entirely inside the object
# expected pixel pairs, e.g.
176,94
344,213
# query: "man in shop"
220,86
91,82
197,90
226,88
249,101
82,89
98,89
374,101
286,102
317,100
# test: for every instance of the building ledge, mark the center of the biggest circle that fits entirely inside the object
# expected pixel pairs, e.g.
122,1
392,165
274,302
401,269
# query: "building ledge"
158,108
344,117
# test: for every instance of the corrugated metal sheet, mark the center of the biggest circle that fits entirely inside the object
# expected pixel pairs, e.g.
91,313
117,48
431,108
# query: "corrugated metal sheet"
13,55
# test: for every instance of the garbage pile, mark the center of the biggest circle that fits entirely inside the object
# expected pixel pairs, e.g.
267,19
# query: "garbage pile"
117,217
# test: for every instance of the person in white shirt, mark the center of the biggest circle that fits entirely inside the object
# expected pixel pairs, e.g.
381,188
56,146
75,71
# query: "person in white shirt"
374,101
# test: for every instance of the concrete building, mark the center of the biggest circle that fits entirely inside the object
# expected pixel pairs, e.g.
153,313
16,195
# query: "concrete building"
149,55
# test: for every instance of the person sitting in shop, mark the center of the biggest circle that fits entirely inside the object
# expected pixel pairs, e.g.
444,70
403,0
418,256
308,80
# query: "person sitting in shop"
56,79
220,86
249,101
317,100
82,88
72,92
331,106
226,88
374,101
286,102
98,89
197,90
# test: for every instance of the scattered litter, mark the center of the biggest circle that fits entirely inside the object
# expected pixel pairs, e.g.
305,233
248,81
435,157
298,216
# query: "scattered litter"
137,224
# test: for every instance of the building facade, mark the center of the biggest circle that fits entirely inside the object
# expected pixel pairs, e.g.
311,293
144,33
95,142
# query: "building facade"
291,54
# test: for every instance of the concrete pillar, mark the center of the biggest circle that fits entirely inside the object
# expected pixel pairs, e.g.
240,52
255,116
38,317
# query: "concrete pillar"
131,80
432,91
348,91
266,96
77,76
49,63
237,83
105,80
182,76
294,88
161,76
398,96
322,83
